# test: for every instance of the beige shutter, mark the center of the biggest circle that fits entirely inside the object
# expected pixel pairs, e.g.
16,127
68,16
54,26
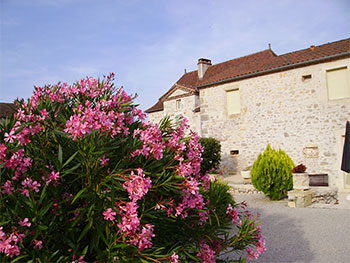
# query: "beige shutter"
233,102
338,83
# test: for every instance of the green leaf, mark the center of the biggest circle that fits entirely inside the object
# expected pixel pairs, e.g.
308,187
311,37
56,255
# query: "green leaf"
42,227
70,159
43,195
84,251
63,134
102,236
19,259
4,222
79,194
44,210
60,154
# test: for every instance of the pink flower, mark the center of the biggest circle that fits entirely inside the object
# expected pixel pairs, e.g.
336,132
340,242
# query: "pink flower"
38,244
233,213
29,183
25,192
145,237
3,149
103,160
44,114
8,188
10,137
174,258
52,177
130,220
8,245
137,185
25,222
251,254
206,253
109,214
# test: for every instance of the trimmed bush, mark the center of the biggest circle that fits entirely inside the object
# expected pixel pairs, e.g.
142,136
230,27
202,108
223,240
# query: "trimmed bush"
85,178
272,173
211,154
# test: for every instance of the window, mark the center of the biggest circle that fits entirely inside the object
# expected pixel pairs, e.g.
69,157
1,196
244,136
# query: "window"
233,101
306,77
338,83
178,104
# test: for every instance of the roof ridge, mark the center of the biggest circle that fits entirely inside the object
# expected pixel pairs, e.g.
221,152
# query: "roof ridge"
247,56
232,60
337,41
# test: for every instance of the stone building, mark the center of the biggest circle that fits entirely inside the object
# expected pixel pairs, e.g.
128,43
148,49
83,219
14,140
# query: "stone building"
298,101
7,109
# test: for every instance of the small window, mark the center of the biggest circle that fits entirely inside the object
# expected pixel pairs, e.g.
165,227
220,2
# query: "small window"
178,104
234,152
338,83
233,102
306,77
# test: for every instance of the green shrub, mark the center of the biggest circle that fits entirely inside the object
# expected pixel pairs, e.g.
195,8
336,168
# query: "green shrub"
271,173
211,154
84,177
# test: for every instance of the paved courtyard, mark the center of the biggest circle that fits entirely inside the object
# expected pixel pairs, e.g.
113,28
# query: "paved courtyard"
314,234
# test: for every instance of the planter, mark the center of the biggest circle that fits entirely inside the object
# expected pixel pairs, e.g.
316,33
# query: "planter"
245,174
301,181
246,177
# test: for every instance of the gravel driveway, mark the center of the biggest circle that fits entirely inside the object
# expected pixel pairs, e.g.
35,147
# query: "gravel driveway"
301,234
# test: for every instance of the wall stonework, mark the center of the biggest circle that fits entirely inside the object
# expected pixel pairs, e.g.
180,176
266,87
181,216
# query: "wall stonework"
281,109
155,117
284,110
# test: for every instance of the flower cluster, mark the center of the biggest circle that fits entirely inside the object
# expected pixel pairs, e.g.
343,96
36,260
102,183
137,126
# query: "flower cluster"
206,253
131,229
10,245
299,169
259,245
152,143
137,185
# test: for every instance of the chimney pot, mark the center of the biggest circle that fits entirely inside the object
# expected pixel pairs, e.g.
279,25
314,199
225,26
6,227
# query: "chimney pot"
203,65
312,47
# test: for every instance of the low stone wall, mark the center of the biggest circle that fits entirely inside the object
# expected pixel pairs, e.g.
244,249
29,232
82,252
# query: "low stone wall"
325,195
244,190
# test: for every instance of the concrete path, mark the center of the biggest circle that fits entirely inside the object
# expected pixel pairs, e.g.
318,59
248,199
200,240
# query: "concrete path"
314,234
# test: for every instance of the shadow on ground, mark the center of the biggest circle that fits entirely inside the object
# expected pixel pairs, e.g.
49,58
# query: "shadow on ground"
285,240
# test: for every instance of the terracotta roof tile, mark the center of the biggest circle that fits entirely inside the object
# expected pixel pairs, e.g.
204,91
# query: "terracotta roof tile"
159,106
263,62
6,109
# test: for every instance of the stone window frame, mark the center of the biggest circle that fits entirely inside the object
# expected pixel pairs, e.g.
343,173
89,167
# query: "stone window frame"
306,77
178,104
230,89
346,67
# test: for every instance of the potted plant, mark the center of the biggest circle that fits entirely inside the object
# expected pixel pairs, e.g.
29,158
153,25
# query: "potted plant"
300,177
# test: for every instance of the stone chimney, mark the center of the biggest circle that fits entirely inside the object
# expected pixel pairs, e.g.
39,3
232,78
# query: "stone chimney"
203,65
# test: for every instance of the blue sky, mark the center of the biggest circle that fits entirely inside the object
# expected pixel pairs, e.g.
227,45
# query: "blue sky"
148,44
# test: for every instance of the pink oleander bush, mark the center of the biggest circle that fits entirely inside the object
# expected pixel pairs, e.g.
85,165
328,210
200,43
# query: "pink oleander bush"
85,178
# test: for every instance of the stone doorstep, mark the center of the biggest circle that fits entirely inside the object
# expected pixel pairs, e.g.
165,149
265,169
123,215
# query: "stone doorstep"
300,198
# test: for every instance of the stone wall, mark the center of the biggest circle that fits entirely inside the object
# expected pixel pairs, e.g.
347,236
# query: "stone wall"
284,110
155,117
